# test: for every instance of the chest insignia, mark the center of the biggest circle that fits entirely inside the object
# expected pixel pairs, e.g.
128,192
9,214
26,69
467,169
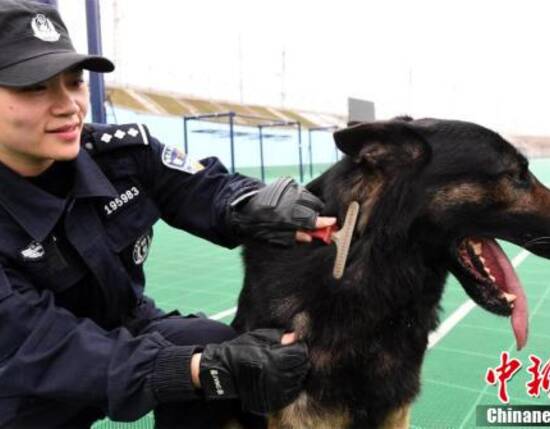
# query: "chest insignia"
33,252
141,249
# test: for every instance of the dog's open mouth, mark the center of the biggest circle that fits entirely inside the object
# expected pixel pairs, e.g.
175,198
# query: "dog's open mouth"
501,290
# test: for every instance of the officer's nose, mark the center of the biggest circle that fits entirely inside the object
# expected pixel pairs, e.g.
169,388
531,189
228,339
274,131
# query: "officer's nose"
65,102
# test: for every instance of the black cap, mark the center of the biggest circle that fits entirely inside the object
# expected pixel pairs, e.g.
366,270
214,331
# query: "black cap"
35,45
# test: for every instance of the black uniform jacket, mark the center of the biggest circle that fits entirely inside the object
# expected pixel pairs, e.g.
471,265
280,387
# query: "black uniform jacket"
71,271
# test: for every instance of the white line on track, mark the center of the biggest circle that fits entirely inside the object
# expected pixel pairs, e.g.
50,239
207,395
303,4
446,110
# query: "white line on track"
223,314
462,311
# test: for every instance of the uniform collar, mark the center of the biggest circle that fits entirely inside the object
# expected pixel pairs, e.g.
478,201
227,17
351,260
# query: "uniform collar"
38,211
90,180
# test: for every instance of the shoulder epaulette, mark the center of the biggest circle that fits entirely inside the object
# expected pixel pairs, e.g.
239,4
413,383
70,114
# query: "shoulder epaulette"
97,138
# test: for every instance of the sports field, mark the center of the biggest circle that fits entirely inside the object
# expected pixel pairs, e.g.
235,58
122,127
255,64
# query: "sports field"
189,274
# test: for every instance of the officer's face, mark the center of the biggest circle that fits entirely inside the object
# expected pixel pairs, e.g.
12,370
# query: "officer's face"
42,123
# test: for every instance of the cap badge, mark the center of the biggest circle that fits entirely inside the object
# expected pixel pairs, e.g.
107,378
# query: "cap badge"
44,29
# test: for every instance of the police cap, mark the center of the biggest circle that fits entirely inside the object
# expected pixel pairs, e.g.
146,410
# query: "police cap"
35,45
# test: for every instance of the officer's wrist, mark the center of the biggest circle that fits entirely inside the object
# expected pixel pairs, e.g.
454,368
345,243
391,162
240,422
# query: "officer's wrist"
195,369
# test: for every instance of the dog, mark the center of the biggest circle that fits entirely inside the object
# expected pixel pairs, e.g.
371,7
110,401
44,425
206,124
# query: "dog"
434,195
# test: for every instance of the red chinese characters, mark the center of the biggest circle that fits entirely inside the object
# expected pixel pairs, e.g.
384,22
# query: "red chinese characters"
539,377
502,374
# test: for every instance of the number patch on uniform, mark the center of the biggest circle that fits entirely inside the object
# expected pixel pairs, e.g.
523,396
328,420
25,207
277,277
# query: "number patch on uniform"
120,201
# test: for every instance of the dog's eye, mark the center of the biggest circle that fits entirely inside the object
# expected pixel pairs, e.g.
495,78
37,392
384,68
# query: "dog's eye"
521,178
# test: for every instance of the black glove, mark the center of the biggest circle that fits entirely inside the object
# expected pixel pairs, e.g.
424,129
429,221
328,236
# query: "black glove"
276,211
256,368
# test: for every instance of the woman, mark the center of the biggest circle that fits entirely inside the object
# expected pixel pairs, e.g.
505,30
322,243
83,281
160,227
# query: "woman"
79,340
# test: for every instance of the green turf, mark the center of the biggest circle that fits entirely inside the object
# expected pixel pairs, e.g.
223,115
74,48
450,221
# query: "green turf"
273,172
192,275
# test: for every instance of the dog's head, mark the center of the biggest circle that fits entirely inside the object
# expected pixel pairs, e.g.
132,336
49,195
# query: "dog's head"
452,188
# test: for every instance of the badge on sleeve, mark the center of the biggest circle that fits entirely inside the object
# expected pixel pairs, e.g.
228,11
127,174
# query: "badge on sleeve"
179,160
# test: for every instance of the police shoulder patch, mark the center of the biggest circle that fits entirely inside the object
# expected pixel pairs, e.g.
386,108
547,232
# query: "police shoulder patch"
98,138
178,160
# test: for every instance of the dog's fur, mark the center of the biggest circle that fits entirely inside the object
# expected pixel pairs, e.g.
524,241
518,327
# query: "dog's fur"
424,186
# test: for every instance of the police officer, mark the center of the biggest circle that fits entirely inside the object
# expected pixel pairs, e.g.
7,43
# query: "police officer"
79,339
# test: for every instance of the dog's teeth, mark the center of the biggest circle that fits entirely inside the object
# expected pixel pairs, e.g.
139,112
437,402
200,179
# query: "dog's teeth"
493,278
509,297
477,247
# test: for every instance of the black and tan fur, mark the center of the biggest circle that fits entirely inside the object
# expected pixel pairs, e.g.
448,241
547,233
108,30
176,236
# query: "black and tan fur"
424,186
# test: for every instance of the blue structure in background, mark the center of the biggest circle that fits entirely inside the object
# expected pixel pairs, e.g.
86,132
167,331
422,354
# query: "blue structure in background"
310,131
280,124
264,123
97,83
208,138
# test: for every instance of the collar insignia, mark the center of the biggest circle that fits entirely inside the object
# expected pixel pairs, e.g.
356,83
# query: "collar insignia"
33,252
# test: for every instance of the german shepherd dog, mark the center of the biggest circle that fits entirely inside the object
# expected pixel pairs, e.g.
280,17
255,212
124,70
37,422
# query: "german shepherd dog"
434,195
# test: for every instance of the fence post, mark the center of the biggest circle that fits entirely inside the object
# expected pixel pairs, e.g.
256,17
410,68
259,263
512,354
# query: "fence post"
232,141
300,152
262,166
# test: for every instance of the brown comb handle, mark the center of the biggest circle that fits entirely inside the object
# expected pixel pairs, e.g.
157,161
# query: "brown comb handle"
342,239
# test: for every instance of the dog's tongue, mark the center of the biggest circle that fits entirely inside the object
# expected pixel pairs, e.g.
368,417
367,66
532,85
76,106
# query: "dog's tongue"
508,281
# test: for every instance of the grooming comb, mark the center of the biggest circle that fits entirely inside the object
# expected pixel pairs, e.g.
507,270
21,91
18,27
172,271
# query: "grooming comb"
341,238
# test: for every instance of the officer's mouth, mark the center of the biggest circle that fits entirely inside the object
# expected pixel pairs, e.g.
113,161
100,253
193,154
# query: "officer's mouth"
69,132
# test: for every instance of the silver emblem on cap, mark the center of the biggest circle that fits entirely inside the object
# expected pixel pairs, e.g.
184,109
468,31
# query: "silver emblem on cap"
44,29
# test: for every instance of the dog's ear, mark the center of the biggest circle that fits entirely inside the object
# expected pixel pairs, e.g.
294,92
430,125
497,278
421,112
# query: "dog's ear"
383,145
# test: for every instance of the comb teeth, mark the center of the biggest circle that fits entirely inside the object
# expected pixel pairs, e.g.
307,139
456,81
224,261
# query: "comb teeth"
342,239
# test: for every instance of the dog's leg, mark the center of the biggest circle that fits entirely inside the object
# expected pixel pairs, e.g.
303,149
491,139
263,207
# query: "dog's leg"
233,424
398,419
303,414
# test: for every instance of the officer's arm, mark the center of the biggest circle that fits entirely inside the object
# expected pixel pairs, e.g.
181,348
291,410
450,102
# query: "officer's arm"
47,352
194,196
204,199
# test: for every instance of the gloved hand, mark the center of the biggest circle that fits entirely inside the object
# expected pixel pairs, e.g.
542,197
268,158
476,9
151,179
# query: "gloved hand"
256,368
276,212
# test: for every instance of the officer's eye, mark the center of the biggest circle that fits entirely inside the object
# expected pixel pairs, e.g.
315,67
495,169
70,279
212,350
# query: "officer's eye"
78,82
76,78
